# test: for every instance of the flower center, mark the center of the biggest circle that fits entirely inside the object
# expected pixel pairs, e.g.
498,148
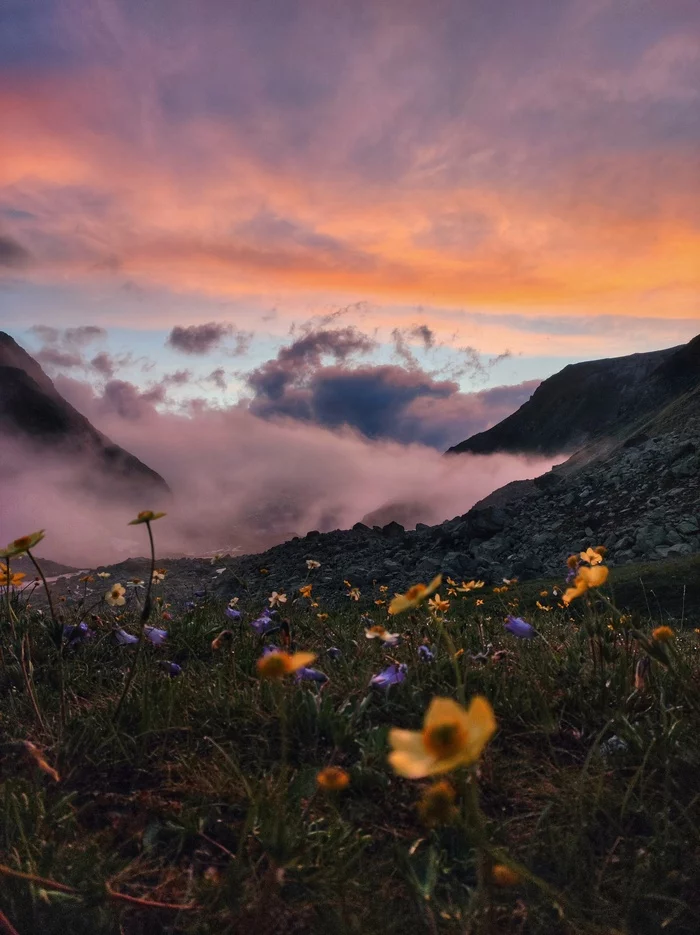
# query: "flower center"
445,740
415,591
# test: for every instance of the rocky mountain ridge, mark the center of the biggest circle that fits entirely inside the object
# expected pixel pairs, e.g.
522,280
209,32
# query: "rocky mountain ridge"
34,413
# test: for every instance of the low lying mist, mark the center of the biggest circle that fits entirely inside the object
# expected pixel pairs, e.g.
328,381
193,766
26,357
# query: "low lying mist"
237,481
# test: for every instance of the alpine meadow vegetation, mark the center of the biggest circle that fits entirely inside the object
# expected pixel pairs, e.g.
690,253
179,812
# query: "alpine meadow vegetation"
460,758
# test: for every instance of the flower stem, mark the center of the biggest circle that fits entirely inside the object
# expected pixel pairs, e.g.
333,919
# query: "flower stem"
58,634
145,614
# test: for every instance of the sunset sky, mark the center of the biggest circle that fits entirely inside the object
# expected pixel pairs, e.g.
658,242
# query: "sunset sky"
485,190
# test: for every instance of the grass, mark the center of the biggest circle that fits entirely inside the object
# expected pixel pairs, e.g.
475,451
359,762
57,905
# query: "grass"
203,793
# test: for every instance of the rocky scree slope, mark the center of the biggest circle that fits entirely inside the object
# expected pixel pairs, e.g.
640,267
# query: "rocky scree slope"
33,412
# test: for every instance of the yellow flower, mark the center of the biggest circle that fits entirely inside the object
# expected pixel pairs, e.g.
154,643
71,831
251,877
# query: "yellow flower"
572,561
276,599
224,636
379,602
479,601
312,564
510,580
233,601
504,876
16,577
333,779
379,632
86,578
23,544
40,761
354,594
414,596
347,583
500,590
542,606
306,590
145,516
115,597
158,576
470,586
451,737
544,593
663,634
103,574
437,804
592,556
586,578
437,605
264,571
383,588
322,616
277,664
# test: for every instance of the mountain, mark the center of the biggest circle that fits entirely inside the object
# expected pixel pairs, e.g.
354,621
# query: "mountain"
34,413
593,401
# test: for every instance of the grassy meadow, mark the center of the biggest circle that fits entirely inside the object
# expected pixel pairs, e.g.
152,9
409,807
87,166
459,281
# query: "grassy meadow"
137,797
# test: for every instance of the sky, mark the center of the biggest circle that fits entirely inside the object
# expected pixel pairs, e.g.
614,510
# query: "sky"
396,216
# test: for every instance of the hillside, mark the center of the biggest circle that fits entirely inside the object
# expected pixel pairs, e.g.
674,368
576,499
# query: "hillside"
34,413
592,400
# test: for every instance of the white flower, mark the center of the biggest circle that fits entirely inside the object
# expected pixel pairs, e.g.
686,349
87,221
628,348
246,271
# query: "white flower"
276,599
312,564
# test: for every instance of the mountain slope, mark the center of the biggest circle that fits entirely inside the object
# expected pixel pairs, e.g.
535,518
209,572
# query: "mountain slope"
34,413
592,400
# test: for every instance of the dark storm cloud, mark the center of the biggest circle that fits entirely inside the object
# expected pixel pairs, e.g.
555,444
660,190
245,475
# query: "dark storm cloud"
201,339
303,356
389,402
12,253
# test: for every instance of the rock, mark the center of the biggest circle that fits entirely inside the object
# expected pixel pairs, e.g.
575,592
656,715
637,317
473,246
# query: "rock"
484,523
688,527
360,527
393,529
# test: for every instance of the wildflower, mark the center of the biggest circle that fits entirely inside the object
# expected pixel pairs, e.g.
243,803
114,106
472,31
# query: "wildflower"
347,583
592,556
437,804
277,663
306,674
135,583
217,557
232,613
233,602
572,562
306,590
74,635
414,596
504,876
158,576
312,564
115,597
379,602
226,636
437,605
425,654
40,761
23,544
663,634
103,574
264,571
155,636
479,601
354,594
334,653
542,606
15,579
146,516
322,617
379,632
124,638
510,580
451,581
544,593
518,627
383,588
85,579
587,577
170,668
393,675
500,590
451,737
333,779
472,585
263,624
275,599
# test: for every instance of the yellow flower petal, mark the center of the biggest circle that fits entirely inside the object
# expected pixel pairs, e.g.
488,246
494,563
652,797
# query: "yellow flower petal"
409,757
300,661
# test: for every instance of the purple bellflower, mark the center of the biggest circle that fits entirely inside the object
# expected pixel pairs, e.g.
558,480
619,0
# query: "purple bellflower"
391,676
518,627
